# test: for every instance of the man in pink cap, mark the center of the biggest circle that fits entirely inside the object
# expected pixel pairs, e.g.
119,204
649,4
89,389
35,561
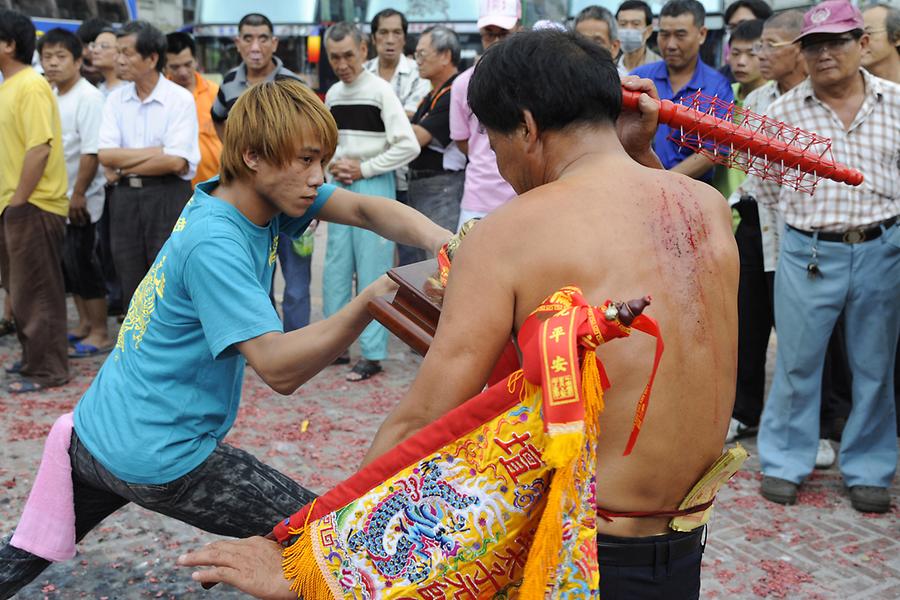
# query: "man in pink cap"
840,254
484,189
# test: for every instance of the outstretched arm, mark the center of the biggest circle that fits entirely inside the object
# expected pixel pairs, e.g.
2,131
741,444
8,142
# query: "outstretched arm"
388,218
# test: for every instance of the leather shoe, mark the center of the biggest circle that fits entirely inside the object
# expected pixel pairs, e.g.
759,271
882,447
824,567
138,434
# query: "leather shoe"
778,490
870,499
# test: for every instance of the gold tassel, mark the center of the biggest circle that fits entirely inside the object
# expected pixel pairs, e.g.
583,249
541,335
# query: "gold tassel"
300,566
592,387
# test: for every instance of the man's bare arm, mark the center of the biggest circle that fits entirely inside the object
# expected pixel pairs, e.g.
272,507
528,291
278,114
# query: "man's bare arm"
423,136
32,169
476,321
388,218
162,164
463,146
126,158
285,361
87,170
693,166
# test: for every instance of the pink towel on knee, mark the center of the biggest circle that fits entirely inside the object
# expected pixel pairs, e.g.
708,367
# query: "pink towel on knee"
47,526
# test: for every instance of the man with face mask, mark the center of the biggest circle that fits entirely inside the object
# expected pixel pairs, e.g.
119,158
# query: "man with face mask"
635,20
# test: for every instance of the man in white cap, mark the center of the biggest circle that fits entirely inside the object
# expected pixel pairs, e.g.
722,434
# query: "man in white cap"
840,253
484,188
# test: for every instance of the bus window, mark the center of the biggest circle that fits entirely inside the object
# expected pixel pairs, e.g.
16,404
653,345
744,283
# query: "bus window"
115,11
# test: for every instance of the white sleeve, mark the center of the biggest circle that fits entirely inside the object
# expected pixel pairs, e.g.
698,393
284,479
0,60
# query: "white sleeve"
181,137
402,144
89,118
110,134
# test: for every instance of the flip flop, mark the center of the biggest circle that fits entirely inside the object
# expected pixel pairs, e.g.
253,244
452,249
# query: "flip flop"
14,368
24,386
364,369
80,350
74,339
343,359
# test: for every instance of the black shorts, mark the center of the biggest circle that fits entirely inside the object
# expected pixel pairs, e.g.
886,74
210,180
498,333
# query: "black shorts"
664,567
81,263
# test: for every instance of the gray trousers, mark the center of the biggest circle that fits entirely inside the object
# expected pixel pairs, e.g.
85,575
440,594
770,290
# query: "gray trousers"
140,222
231,493
437,198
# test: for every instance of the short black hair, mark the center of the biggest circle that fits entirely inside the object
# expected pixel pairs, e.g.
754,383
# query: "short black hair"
748,31
16,27
676,8
178,41
759,8
256,20
88,31
61,37
148,40
637,5
384,14
562,78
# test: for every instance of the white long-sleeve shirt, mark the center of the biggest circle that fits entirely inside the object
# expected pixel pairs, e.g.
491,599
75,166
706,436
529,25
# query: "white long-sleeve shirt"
372,125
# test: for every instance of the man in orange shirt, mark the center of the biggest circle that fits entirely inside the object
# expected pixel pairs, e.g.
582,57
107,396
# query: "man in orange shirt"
181,67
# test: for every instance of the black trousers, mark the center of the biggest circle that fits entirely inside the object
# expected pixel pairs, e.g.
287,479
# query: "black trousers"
660,567
756,316
231,493
141,220
81,263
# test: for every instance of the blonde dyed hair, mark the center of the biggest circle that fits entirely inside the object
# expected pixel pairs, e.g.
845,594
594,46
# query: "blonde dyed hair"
275,119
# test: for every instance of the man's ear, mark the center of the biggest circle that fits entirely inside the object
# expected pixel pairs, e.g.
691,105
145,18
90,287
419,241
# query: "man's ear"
251,159
529,129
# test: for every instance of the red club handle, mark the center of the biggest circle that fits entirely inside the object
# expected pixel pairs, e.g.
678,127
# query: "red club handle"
721,131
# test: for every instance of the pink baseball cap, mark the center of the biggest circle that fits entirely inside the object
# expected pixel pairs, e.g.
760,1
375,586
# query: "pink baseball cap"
500,13
831,16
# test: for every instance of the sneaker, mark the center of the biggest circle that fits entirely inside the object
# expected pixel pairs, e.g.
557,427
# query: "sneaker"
737,430
778,490
824,455
870,499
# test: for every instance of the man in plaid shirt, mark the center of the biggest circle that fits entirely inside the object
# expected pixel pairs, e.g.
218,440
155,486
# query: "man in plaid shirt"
840,252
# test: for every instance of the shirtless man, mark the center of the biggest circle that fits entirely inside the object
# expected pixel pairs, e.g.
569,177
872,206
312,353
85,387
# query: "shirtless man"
662,234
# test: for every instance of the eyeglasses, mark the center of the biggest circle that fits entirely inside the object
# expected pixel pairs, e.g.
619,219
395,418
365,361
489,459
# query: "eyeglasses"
833,45
421,54
489,35
874,31
768,47
97,46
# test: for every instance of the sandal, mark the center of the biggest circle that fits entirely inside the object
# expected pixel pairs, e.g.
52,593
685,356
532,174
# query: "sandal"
80,350
7,326
25,386
364,369
74,339
343,359
13,368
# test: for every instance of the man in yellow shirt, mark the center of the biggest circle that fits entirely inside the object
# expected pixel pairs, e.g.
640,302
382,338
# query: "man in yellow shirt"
181,67
34,206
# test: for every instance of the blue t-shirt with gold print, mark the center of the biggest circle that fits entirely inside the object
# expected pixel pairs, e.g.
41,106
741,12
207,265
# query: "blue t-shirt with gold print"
170,389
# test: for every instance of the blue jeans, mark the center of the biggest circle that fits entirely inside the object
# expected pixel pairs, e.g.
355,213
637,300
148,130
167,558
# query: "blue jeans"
863,281
230,493
296,270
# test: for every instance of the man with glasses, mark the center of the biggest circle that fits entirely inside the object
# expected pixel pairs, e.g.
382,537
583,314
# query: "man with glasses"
882,58
757,232
437,175
635,21
840,253
484,188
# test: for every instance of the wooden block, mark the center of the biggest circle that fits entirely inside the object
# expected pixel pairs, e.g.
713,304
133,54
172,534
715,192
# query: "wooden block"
412,313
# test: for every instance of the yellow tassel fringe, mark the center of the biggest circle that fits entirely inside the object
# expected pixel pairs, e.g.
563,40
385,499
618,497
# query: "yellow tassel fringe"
300,566
562,452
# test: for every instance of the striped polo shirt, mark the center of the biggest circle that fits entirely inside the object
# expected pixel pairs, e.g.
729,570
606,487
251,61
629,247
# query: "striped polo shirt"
235,82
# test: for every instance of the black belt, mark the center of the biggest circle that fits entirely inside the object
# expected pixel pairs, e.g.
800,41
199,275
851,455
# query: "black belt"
853,236
648,554
142,181
426,173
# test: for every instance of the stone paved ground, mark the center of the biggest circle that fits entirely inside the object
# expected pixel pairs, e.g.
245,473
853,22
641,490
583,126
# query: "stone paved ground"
819,549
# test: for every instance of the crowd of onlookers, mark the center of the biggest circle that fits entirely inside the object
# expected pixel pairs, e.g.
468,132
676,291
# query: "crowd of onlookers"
101,153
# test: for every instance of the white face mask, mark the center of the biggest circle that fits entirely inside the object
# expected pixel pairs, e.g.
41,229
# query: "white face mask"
631,39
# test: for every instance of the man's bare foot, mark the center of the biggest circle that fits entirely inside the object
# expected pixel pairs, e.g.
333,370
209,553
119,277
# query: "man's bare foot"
91,346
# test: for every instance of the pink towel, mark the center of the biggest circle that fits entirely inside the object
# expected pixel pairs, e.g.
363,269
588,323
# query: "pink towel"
47,526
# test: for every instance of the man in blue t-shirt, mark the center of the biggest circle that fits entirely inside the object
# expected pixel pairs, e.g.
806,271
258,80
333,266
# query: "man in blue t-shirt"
680,74
149,429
